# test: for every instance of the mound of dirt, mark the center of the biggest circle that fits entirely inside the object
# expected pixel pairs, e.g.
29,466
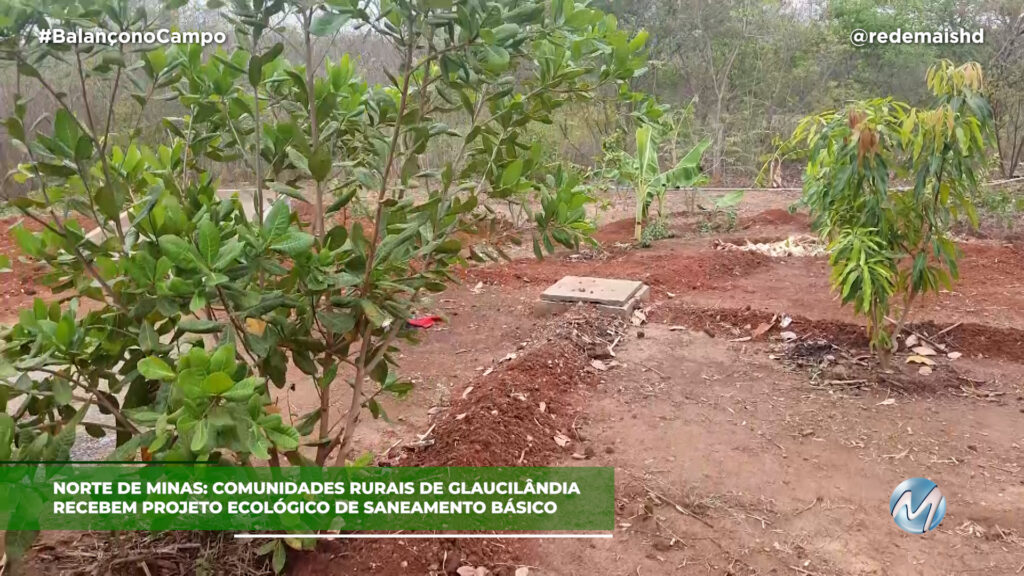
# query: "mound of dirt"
617,231
508,417
777,217
968,338
662,269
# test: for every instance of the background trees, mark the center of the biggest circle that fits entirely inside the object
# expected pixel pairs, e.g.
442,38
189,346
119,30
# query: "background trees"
757,66
752,67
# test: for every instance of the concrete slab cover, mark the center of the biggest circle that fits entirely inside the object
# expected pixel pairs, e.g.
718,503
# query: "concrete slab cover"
608,291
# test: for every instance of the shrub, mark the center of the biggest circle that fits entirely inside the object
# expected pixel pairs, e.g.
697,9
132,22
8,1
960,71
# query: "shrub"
198,303
889,242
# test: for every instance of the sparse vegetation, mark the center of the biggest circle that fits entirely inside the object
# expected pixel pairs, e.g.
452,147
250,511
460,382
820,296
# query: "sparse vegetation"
722,215
657,229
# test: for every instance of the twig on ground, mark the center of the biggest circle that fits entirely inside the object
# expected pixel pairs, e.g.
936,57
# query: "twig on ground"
679,508
945,330
808,507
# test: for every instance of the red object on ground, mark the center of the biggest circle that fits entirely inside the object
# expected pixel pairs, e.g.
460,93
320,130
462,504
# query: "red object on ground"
424,321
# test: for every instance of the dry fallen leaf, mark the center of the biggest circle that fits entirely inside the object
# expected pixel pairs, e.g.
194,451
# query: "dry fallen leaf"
788,336
760,330
598,365
887,402
924,371
466,392
785,322
543,406
488,371
924,350
953,355
562,440
466,571
522,571
911,341
920,360
478,288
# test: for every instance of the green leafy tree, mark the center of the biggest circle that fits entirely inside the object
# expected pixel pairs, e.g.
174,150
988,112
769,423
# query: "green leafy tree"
885,182
198,305
186,308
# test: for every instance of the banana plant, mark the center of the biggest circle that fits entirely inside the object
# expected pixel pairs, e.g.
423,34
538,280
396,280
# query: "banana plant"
649,182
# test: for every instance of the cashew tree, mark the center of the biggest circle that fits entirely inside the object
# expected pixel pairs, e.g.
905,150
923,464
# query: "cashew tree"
181,311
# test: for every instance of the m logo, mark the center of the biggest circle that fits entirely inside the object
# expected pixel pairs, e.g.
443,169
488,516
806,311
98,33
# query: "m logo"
917,505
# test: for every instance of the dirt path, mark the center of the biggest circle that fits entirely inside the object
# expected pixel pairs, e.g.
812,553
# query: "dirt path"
792,479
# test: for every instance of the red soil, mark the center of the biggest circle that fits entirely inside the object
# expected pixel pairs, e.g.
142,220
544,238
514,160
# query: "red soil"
495,421
968,338
777,217
669,270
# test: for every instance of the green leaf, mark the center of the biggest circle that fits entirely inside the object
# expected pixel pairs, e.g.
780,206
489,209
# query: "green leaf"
61,391
277,220
223,359
293,243
177,250
199,326
306,424
327,24
280,555
243,390
729,200
229,252
510,176
149,340
298,160
200,436
217,383
271,54
336,322
197,303
6,435
153,368
209,241
373,313
494,59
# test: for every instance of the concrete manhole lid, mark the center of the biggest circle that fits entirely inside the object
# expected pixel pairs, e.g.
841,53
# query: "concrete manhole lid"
609,291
